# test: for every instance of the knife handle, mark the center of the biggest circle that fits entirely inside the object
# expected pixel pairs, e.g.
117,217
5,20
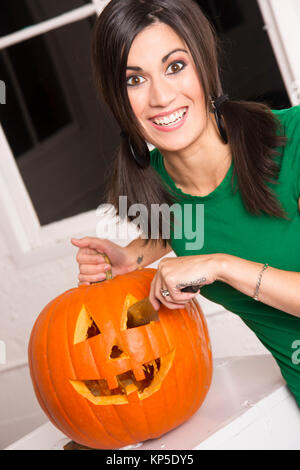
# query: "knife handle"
108,273
190,288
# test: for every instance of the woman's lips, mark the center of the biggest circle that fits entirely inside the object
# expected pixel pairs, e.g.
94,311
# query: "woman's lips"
171,127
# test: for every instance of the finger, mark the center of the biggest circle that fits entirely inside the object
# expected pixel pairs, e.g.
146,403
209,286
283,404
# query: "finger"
169,304
155,302
179,302
90,259
175,294
90,245
155,295
97,244
172,301
84,242
94,269
91,278
172,306
83,283
181,297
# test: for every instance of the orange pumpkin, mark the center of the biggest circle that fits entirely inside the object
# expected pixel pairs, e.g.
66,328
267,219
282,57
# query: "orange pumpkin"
106,383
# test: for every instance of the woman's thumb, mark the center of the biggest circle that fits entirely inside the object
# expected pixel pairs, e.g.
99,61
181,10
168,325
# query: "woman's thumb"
89,242
79,242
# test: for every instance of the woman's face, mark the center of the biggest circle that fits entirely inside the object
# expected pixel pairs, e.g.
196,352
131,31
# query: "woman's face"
164,89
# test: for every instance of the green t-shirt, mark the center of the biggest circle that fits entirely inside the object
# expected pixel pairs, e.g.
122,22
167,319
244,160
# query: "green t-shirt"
230,228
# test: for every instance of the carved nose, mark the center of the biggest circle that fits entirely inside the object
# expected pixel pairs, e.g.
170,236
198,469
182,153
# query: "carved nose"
116,352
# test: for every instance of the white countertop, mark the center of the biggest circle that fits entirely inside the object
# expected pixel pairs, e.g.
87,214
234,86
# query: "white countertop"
247,407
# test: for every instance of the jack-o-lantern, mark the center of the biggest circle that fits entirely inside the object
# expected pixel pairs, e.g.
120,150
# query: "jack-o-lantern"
107,382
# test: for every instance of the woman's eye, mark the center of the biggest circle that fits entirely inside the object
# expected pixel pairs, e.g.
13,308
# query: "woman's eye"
135,80
175,67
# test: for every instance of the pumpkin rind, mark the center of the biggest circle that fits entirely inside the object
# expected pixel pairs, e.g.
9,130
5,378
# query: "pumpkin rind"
64,362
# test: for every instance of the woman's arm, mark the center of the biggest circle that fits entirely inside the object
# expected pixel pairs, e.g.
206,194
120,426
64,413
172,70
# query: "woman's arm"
142,256
93,265
279,289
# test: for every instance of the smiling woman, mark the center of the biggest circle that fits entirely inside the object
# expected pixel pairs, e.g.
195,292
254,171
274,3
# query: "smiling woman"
156,65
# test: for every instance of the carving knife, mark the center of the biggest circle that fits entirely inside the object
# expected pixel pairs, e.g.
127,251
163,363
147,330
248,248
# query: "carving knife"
142,312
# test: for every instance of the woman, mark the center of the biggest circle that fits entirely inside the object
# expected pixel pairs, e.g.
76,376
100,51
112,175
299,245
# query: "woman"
155,64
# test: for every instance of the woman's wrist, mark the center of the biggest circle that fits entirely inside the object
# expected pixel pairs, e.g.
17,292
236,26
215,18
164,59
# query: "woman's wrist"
140,255
133,259
222,261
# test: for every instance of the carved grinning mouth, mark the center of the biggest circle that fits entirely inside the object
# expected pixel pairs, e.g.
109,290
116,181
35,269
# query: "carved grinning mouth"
98,392
125,381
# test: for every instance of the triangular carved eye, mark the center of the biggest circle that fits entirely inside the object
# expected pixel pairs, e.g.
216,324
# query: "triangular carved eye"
137,316
85,326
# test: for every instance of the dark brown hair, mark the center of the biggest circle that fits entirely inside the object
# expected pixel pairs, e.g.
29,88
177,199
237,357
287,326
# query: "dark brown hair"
252,129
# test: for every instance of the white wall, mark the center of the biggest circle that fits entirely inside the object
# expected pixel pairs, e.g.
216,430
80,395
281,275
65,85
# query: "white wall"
23,294
296,6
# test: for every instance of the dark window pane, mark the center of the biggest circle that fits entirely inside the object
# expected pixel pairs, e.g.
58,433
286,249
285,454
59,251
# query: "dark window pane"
34,84
248,66
11,117
64,138
226,15
17,14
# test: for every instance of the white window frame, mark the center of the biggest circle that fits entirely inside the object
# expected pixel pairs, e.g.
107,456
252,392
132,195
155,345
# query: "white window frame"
282,23
31,243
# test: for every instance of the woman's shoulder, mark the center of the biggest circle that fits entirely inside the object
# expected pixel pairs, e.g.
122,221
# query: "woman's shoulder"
290,167
156,160
289,119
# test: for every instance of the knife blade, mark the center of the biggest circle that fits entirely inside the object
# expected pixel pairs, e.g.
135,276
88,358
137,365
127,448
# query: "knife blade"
143,312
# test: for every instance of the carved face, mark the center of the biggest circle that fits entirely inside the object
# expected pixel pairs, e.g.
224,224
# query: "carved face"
107,381
123,361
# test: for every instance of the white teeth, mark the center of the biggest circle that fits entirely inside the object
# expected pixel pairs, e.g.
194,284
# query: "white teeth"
168,120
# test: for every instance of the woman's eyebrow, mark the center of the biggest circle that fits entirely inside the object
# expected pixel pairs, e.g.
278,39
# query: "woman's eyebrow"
164,59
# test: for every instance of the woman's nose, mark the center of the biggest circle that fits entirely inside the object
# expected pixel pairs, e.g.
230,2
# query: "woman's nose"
161,93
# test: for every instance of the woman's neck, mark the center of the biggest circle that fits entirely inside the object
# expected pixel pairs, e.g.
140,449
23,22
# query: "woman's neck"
201,167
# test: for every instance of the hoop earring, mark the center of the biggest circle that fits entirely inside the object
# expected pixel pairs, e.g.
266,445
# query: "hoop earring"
218,116
143,159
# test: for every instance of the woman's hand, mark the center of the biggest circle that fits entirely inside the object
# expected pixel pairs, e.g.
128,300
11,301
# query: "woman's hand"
186,270
92,265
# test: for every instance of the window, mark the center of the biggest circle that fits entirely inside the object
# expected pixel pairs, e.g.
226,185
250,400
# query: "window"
62,139
248,65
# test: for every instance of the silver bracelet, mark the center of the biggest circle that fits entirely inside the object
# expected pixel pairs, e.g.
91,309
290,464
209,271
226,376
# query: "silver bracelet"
255,297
